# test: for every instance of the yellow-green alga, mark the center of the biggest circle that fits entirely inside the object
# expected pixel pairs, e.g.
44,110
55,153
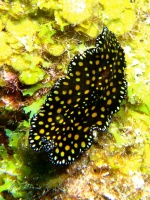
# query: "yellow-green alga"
37,41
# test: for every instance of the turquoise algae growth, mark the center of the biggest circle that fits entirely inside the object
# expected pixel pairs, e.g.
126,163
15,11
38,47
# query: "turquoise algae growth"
37,41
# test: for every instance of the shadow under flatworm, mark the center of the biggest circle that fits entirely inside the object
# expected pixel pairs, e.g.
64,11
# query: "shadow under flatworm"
82,101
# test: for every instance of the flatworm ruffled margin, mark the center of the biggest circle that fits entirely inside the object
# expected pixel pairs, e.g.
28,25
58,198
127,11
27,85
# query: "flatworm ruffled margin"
81,102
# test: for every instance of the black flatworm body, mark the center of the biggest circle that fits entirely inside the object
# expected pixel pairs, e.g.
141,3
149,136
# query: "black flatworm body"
84,100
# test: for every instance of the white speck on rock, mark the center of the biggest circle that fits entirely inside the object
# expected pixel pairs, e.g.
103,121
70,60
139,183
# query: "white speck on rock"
138,181
79,6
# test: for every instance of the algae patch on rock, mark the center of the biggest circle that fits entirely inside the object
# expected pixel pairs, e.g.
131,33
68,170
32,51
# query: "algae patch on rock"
29,33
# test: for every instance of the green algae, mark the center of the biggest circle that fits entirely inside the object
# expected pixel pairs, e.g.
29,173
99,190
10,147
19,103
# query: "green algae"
76,11
12,169
18,170
118,20
34,107
45,34
31,77
5,50
56,49
35,88
39,36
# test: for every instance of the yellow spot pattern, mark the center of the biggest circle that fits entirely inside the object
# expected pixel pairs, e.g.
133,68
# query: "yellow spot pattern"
81,102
